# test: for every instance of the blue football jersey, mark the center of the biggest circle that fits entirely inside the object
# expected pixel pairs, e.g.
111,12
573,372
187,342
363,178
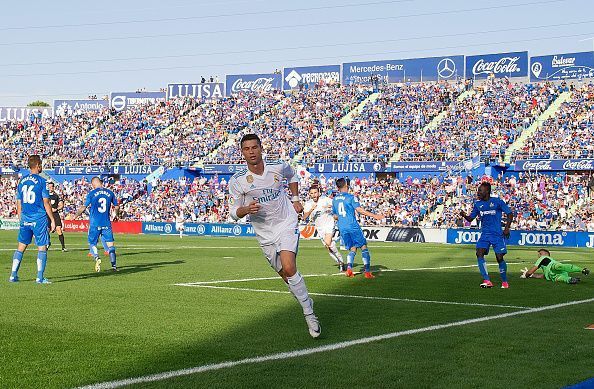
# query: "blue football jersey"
31,191
100,201
344,206
490,213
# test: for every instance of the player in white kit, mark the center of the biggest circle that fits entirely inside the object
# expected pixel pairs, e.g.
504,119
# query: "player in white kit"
319,210
180,219
259,191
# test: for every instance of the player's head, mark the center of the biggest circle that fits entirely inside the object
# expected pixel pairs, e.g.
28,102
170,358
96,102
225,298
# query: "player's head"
34,163
51,187
342,184
314,192
543,252
251,148
96,182
484,191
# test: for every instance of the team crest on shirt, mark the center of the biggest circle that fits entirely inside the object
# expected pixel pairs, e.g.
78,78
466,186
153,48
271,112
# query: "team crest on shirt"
231,201
249,179
491,205
276,178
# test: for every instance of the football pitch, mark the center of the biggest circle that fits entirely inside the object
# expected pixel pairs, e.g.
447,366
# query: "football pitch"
210,312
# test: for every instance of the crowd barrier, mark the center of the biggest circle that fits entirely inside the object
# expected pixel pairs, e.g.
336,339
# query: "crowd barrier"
371,233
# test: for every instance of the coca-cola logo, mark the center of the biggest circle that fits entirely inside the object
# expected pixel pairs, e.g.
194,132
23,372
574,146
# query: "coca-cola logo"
580,164
262,84
503,65
539,165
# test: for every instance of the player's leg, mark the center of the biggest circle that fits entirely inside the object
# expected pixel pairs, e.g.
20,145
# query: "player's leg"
60,233
104,243
332,249
93,237
107,233
481,251
569,268
42,239
500,248
24,239
366,261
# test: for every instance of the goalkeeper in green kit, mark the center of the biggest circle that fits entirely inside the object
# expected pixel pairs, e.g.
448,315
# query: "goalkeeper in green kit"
553,270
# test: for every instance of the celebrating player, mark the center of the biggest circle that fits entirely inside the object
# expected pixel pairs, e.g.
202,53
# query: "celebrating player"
57,206
553,270
319,210
34,211
100,200
489,209
344,207
259,192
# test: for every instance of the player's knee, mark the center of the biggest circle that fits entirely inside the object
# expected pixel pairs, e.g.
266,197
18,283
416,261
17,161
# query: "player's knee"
111,249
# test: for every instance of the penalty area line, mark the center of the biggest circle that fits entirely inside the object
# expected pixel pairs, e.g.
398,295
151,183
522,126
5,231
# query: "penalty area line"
316,350
407,300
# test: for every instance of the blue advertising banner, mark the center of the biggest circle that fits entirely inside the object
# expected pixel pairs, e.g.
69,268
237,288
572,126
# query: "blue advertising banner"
554,164
513,64
61,170
528,238
209,90
198,229
221,169
398,70
236,83
562,66
68,107
417,166
133,169
21,114
125,100
349,167
310,76
8,170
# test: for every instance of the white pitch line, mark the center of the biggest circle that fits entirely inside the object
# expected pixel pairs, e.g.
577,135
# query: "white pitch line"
358,297
315,350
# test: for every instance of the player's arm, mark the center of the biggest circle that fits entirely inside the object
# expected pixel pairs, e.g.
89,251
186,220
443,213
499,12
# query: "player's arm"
510,217
360,210
472,216
293,179
48,210
307,213
531,273
116,214
83,208
237,207
19,208
60,206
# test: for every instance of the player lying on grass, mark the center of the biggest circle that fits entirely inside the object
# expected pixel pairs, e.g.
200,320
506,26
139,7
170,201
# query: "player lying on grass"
553,270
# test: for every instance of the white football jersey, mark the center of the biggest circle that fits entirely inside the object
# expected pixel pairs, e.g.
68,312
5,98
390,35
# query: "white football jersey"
322,212
276,212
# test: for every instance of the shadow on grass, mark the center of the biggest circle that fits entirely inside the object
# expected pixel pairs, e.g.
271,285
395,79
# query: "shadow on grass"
128,269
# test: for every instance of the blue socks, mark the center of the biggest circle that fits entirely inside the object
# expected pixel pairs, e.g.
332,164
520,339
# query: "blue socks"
366,258
482,265
350,259
503,271
41,261
93,250
112,255
17,257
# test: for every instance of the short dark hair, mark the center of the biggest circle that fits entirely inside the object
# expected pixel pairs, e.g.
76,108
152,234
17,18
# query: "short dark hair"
315,187
247,137
97,178
34,160
341,183
546,251
486,185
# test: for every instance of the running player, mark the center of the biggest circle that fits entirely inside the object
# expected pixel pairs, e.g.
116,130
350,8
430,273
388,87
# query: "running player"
100,201
344,207
57,206
489,210
259,191
34,211
319,211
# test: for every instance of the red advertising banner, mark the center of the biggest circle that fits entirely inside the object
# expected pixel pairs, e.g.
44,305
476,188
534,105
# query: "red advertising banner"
118,227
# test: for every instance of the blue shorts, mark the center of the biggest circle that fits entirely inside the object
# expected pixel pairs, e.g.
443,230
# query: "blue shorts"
495,240
37,229
95,232
353,239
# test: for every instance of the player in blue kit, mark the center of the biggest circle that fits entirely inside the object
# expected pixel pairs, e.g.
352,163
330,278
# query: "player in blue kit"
99,201
34,211
489,210
344,206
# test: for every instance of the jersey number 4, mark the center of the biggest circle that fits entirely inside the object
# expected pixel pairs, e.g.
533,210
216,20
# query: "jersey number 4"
28,194
341,210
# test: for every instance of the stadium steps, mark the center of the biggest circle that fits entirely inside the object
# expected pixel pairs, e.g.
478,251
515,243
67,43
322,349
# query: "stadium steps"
432,126
527,133
345,120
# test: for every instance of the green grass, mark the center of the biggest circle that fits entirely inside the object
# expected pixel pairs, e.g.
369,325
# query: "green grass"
93,327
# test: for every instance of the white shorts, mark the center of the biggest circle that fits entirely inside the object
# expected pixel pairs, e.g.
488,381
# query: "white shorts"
179,226
287,241
324,229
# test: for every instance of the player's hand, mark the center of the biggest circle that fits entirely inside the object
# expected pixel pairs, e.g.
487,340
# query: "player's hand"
52,226
253,207
506,233
298,206
463,213
524,271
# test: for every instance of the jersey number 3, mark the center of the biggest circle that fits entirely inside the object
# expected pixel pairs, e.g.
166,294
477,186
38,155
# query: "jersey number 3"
102,205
